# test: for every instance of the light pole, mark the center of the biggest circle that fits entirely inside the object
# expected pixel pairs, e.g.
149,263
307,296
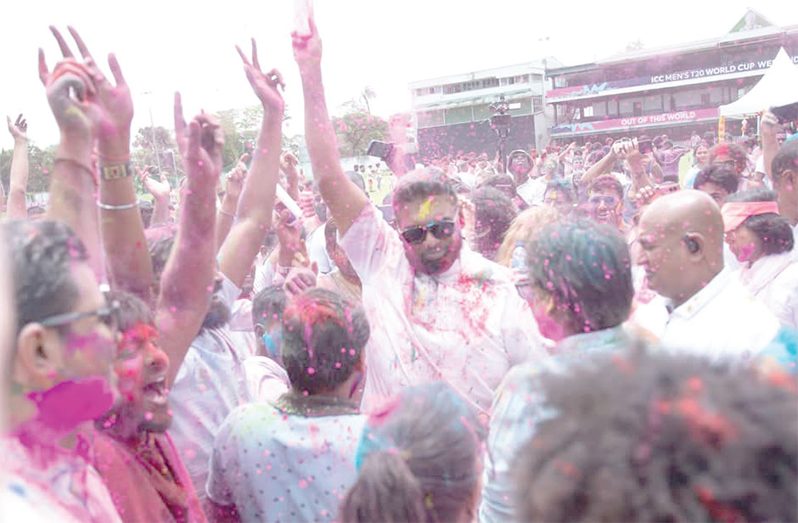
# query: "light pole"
152,134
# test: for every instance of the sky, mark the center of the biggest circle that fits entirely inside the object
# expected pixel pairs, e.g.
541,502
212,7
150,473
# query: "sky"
163,46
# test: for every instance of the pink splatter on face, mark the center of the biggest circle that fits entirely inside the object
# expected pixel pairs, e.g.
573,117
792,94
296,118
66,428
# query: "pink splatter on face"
68,404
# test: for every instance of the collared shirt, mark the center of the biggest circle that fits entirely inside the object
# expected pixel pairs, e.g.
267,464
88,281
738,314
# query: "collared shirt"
210,384
54,481
721,320
274,464
519,408
466,326
774,280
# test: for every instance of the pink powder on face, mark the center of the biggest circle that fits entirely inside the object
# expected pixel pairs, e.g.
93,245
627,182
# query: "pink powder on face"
65,406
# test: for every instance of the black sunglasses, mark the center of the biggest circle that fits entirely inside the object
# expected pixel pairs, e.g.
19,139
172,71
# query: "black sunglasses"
108,315
440,229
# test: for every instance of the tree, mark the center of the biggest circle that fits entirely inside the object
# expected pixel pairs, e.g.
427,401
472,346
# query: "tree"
366,95
40,164
356,129
148,141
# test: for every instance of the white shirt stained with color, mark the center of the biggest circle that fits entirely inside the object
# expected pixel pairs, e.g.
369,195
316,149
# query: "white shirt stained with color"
210,384
721,320
774,280
466,326
277,467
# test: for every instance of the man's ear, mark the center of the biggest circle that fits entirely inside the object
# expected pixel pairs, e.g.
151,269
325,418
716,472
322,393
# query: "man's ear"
38,356
258,331
694,243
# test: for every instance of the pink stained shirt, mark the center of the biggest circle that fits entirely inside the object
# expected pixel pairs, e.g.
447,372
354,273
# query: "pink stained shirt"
467,326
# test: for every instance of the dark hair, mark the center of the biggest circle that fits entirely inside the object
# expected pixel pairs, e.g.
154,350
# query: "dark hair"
146,209
323,339
159,253
656,436
42,254
606,182
493,214
418,459
786,158
132,310
586,268
773,230
720,175
421,184
732,150
562,186
269,304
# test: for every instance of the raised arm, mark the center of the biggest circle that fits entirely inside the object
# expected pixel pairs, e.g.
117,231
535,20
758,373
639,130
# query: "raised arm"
234,182
71,93
122,228
161,193
342,196
256,203
187,279
17,208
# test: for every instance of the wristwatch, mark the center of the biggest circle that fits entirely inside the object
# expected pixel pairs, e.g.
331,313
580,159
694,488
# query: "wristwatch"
116,171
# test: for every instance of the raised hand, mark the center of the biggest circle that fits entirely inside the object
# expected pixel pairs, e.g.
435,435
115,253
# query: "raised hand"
157,188
264,84
212,135
19,128
204,149
114,102
307,47
236,177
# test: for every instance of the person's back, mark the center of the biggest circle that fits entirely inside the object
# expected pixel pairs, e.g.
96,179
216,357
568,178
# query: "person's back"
294,459
582,289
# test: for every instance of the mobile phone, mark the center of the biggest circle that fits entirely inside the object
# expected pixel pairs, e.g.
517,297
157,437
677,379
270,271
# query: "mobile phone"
380,150
644,146
786,113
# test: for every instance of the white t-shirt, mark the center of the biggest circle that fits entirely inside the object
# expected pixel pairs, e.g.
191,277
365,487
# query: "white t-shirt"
211,383
774,280
533,190
317,250
280,467
466,326
721,320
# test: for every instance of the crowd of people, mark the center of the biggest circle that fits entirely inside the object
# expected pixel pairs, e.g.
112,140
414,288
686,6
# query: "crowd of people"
602,332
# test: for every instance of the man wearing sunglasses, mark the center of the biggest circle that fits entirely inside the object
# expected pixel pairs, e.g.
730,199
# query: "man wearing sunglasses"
61,372
438,311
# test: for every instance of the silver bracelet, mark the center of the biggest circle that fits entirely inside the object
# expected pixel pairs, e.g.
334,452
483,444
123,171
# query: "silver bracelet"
107,207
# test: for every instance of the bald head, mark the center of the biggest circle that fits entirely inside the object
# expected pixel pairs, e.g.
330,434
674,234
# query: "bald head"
681,239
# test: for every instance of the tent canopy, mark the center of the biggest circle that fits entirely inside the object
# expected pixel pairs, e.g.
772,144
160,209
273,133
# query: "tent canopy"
778,86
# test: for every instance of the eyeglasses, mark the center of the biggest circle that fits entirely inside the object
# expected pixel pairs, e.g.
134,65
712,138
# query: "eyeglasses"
108,315
440,229
609,201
